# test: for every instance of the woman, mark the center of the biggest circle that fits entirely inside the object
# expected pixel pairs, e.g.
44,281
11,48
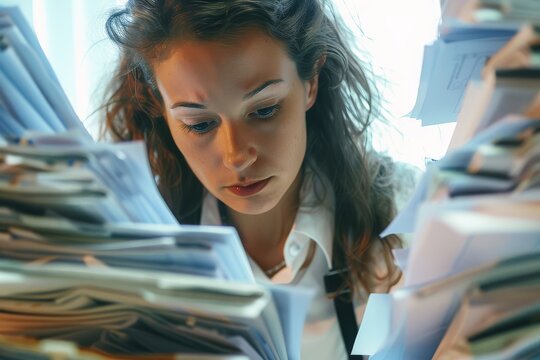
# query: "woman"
256,114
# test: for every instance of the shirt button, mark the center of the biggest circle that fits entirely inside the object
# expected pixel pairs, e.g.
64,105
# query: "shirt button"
294,249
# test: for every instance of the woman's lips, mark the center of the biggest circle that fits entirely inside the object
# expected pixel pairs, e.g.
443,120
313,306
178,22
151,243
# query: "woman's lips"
248,189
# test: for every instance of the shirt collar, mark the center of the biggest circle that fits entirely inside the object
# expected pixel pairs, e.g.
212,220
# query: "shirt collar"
314,219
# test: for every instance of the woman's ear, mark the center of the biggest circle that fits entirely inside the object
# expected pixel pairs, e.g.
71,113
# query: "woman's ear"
312,85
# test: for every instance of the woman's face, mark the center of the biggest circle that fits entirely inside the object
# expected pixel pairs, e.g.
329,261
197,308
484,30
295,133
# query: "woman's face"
236,111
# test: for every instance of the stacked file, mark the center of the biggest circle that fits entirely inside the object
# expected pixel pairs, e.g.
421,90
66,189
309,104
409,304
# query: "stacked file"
449,64
472,276
95,182
93,265
61,204
471,32
31,98
497,320
137,312
510,83
128,288
105,281
477,230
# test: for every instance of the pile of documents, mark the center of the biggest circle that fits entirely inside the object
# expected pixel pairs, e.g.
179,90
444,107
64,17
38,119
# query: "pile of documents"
64,204
472,272
31,98
509,85
472,266
133,289
471,32
91,182
82,263
449,63
136,312
93,265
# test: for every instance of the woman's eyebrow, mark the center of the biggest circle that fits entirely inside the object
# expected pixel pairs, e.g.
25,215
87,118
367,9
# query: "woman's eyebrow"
247,96
188,105
261,88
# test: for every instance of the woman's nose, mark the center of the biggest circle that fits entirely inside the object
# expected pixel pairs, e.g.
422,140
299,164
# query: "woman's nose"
239,153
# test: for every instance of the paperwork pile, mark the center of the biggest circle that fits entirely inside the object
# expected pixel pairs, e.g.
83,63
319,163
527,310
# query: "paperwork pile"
61,204
477,240
449,64
471,32
76,264
134,312
31,97
509,85
93,265
472,272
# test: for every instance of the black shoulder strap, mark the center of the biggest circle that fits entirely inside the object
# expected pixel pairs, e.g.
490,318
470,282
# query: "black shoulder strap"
333,283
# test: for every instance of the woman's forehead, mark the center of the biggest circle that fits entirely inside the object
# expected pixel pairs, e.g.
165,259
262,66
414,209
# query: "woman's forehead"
239,64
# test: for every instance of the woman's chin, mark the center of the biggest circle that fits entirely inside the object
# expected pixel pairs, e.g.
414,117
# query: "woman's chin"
250,206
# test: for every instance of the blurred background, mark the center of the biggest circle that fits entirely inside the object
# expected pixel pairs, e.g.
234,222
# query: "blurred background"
391,32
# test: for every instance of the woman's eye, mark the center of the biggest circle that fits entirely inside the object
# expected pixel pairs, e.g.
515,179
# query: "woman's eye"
202,127
266,112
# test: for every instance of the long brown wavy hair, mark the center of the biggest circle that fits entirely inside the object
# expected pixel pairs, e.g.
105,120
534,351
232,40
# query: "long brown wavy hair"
337,125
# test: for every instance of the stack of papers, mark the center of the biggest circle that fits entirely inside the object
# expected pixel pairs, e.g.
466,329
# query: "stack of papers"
92,182
510,85
95,203
481,212
31,98
486,101
471,32
135,312
93,264
472,279
112,272
457,57
64,204
499,105
481,310
495,322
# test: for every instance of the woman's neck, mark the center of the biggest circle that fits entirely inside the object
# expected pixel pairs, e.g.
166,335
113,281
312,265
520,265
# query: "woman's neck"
264,235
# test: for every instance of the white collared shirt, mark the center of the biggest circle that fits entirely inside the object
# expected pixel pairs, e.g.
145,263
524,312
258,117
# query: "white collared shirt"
322,337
